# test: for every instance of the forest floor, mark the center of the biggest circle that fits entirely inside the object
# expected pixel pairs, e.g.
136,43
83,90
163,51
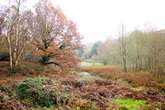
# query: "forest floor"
90,88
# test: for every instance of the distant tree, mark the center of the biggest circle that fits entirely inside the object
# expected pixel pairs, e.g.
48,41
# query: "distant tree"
103,53
94,48
80,52
108,53
136,51
156,50
145,50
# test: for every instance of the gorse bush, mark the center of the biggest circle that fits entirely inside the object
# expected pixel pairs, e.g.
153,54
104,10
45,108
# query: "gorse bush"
33,90
44,92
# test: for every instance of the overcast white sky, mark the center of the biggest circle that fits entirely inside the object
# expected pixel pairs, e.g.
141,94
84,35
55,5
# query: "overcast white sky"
99,19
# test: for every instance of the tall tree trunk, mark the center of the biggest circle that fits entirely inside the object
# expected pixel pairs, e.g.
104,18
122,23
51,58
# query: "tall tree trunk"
123,50
10,54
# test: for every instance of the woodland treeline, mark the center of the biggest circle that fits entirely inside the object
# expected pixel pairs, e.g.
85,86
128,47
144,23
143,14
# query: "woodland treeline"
136,51
43,31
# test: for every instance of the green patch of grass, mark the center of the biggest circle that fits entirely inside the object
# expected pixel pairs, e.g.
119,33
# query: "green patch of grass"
129,104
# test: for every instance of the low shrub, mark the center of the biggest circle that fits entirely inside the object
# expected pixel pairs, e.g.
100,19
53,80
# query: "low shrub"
33,90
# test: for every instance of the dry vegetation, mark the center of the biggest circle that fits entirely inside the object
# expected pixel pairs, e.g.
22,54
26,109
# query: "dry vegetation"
134,78
74,92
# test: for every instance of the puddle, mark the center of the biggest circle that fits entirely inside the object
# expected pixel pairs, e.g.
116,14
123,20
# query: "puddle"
86,74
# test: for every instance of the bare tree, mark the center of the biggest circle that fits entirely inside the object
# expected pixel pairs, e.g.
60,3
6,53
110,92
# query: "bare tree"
123,48
16,32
